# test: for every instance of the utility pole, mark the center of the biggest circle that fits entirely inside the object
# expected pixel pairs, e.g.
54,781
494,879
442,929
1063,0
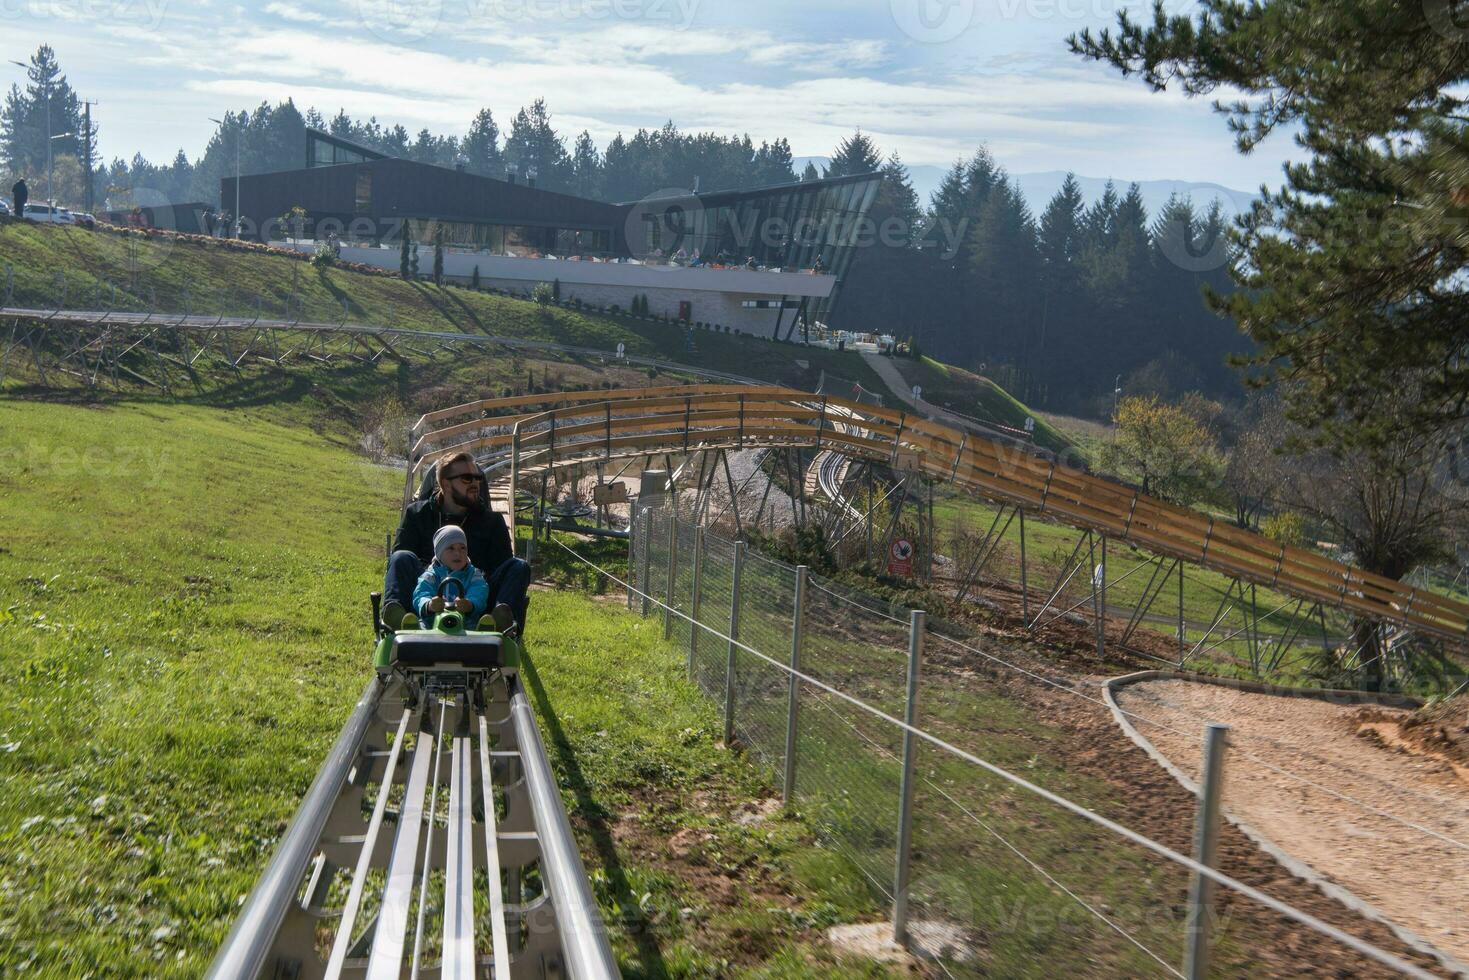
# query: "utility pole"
87,151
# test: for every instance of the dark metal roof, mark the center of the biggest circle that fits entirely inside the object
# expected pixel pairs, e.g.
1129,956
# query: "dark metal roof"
719,197
346,144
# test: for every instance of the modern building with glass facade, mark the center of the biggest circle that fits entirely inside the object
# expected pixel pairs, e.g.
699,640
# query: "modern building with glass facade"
763,258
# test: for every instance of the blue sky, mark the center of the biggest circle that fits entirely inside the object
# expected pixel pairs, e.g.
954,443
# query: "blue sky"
930,79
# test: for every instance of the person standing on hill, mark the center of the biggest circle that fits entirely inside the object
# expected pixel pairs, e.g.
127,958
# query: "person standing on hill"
456,500
20,194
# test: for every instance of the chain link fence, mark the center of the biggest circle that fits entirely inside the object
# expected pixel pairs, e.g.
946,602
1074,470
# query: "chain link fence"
987,873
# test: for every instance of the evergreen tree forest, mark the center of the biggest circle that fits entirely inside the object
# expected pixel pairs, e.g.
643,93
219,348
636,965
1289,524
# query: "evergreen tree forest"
1056,306
1060,307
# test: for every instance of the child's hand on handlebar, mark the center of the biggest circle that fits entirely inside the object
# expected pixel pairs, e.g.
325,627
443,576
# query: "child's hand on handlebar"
436,604
464,606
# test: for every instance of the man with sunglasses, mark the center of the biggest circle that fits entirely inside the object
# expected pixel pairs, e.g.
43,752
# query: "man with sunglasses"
457,499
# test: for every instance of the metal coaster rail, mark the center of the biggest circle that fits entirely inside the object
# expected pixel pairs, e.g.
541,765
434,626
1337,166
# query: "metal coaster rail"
586,427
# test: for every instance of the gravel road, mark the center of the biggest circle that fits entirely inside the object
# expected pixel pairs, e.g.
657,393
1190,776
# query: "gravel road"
1290,762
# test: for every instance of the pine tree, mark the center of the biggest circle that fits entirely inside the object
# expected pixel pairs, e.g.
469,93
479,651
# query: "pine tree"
474,279
481,146
48,99
896,199
810,172
403,254
586,167
947,203
413,261
1060,232
533,148
1353,273
856,154
773,164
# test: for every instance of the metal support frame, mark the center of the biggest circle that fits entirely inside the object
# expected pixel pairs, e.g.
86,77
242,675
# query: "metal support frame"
917,626
987,548
645,561
466,735
1063,578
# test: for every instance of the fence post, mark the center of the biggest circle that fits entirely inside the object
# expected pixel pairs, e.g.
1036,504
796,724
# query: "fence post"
695,597
645,560
734,634
916,627
514,482
798,636
632,553
672,565
1024,583
1206,848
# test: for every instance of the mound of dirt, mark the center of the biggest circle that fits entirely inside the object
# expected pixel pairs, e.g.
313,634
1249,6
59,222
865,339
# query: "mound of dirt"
1440,729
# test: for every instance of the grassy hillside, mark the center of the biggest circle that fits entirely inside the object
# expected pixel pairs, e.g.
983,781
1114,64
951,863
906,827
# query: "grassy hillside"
972,394
184,629
66,265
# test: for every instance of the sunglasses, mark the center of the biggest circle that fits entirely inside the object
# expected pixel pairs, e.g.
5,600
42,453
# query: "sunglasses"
466,477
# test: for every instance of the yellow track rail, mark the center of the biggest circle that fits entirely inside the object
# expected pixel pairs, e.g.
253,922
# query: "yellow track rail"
572,428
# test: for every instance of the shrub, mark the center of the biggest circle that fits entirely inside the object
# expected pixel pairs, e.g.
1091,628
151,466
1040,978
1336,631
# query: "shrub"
556,290
1287,528
474,279
543,293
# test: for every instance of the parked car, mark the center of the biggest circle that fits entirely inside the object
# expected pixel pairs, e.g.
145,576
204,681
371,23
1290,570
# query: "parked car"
49,214
5,208
84,219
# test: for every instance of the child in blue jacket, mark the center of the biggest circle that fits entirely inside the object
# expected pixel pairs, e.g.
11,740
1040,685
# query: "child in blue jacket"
451,582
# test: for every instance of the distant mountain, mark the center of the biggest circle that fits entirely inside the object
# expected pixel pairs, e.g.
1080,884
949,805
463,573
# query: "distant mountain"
1039,188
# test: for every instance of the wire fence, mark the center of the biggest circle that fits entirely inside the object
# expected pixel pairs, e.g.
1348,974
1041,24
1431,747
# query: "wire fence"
987,872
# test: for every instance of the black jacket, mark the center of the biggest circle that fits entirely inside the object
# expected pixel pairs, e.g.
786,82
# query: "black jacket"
489,538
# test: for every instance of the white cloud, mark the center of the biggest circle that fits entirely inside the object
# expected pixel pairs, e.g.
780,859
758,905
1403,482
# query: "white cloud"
1034,106
293,12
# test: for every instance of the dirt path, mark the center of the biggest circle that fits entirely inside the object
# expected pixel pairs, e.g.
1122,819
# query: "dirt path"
1289,756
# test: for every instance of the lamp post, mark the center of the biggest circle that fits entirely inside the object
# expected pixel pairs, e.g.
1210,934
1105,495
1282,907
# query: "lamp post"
237,175
1116,396
46,90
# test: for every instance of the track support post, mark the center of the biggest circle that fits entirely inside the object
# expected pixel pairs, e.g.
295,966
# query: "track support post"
1206,852
734,634
645,561
917,625
798,636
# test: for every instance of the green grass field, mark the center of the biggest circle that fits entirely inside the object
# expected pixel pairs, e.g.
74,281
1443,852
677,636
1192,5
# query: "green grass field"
182,610
1048,546
970,394
54,264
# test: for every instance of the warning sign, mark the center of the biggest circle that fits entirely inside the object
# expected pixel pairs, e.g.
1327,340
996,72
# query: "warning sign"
900,557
